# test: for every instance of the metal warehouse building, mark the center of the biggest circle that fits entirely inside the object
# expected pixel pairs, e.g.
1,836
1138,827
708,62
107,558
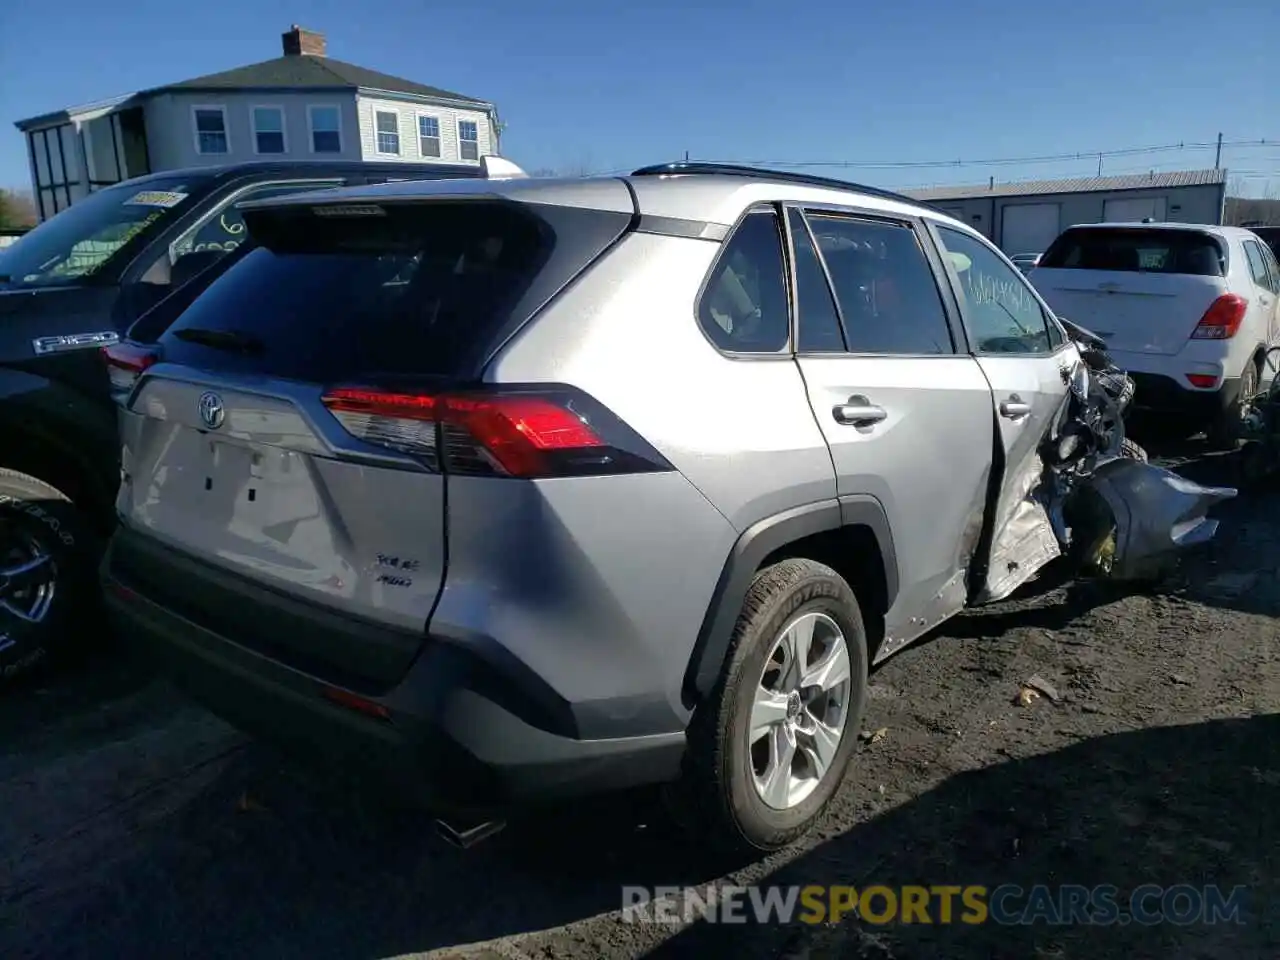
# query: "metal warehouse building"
1026,217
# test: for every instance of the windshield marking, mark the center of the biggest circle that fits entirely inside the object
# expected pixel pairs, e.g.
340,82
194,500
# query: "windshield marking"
156,198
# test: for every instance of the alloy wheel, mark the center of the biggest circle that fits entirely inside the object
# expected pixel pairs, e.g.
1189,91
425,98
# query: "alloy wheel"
28,580
799,710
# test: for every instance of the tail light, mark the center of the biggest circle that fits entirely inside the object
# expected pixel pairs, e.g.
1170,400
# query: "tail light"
514,432
125,363
1222,319
1204,381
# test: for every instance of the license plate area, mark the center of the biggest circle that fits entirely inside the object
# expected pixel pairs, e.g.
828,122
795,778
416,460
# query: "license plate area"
244,474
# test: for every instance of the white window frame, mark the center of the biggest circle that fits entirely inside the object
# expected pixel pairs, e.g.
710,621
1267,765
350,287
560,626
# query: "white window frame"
476,141
253,127
439,135
377,148
311,128
195,129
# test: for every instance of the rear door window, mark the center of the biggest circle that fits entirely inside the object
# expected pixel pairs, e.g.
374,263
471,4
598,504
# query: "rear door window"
888,295
1257,265
384,291
818,323
1137,250
1273,266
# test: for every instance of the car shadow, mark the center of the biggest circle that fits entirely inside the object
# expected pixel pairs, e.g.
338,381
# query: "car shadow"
1167,806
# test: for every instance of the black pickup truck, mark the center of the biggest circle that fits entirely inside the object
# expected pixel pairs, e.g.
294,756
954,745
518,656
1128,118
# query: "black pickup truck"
70,287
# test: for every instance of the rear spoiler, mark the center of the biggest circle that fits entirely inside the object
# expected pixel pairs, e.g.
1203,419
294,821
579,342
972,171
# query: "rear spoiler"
498,168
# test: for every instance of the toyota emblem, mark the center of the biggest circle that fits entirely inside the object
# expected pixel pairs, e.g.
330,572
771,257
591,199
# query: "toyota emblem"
212,412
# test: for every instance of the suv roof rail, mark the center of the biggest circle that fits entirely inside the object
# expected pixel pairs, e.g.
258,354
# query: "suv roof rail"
742,170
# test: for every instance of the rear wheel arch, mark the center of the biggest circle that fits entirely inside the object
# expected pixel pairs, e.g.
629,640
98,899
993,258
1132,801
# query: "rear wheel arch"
850,535
39,453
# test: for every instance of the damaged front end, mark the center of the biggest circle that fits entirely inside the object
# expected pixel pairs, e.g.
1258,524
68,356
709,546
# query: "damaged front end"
1090,495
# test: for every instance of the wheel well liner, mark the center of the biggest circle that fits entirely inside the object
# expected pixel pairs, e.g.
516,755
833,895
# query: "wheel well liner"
851,535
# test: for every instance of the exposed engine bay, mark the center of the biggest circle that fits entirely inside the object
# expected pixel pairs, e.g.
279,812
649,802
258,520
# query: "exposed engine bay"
1092,498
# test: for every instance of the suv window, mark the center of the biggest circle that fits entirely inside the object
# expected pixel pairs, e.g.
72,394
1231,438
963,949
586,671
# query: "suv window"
744,307
223,228
1257,265
1003,314
1274,266
888,297
1137,250
418,289
818,327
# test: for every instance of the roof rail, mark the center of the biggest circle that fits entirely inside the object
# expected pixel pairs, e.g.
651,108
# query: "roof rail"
741,170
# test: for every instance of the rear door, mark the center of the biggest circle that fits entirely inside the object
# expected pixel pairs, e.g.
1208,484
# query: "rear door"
1027,359
1266,285
907,416
1143,289
288,432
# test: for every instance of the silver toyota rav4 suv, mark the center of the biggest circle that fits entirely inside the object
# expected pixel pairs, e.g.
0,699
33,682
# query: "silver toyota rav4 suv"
517,490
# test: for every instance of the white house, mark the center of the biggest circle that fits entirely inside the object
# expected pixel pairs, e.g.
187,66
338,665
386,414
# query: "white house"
302,104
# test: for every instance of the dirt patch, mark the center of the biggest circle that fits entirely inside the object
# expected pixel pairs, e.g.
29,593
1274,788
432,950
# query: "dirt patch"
138,825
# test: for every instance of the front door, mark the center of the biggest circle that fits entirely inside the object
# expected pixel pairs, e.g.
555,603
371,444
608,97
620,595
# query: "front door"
1027,359
906,416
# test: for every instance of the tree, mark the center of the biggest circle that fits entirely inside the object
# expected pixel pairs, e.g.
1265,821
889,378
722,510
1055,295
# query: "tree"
16,210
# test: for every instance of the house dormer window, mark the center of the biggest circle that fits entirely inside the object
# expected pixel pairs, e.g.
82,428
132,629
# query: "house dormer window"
468,140
386,124
211,130
268,130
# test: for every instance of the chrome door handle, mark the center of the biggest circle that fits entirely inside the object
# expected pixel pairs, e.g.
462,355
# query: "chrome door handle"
1014,408
858,412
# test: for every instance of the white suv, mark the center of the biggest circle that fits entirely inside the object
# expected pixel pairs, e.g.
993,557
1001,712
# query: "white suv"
1188,310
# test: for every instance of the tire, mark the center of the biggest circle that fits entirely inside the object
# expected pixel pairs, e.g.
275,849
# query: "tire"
1225,432
718,795
37,521
1132,451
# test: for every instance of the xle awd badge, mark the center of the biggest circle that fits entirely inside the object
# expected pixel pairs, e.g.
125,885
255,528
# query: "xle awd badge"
211,410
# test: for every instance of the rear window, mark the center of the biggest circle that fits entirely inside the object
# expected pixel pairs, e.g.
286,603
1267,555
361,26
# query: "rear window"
398,290
1137,251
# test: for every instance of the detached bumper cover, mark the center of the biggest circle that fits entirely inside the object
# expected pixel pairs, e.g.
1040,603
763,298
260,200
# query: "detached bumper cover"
1157,512
455,738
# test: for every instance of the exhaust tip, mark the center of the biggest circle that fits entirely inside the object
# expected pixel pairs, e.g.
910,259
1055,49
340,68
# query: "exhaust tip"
464,838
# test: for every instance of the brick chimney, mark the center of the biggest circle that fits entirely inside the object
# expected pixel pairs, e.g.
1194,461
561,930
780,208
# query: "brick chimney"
299,42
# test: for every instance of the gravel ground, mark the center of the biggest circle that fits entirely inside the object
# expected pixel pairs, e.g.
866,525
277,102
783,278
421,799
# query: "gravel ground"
137,825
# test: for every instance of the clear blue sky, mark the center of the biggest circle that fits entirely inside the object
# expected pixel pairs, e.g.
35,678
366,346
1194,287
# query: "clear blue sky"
608,86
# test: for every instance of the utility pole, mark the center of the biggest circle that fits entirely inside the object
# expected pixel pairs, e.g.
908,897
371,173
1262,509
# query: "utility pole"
1217,160
686,156
1099,163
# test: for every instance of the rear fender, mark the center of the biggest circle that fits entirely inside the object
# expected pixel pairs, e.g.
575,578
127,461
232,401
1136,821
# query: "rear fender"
752,548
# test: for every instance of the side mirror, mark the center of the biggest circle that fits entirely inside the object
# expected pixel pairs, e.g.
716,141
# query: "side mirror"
190,265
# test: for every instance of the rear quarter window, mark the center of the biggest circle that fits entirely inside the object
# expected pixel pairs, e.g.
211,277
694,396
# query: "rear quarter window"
1137,250
417,289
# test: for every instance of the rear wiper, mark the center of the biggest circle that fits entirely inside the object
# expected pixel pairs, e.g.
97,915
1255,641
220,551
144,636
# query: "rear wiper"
229,340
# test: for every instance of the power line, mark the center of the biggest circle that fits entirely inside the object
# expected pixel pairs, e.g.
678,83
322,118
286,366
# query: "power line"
1079,155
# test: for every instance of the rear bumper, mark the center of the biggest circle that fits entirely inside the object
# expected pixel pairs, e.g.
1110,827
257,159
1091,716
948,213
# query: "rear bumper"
1157,393
453,735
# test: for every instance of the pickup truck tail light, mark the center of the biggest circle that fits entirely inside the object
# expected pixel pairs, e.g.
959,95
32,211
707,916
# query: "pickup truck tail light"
1222,319
126,362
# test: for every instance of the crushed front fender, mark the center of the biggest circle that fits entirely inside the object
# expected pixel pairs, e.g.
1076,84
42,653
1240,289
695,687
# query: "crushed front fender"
1156,513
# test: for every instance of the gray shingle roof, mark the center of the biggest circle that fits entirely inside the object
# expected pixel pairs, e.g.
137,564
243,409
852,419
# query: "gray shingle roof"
1137,181
303,72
